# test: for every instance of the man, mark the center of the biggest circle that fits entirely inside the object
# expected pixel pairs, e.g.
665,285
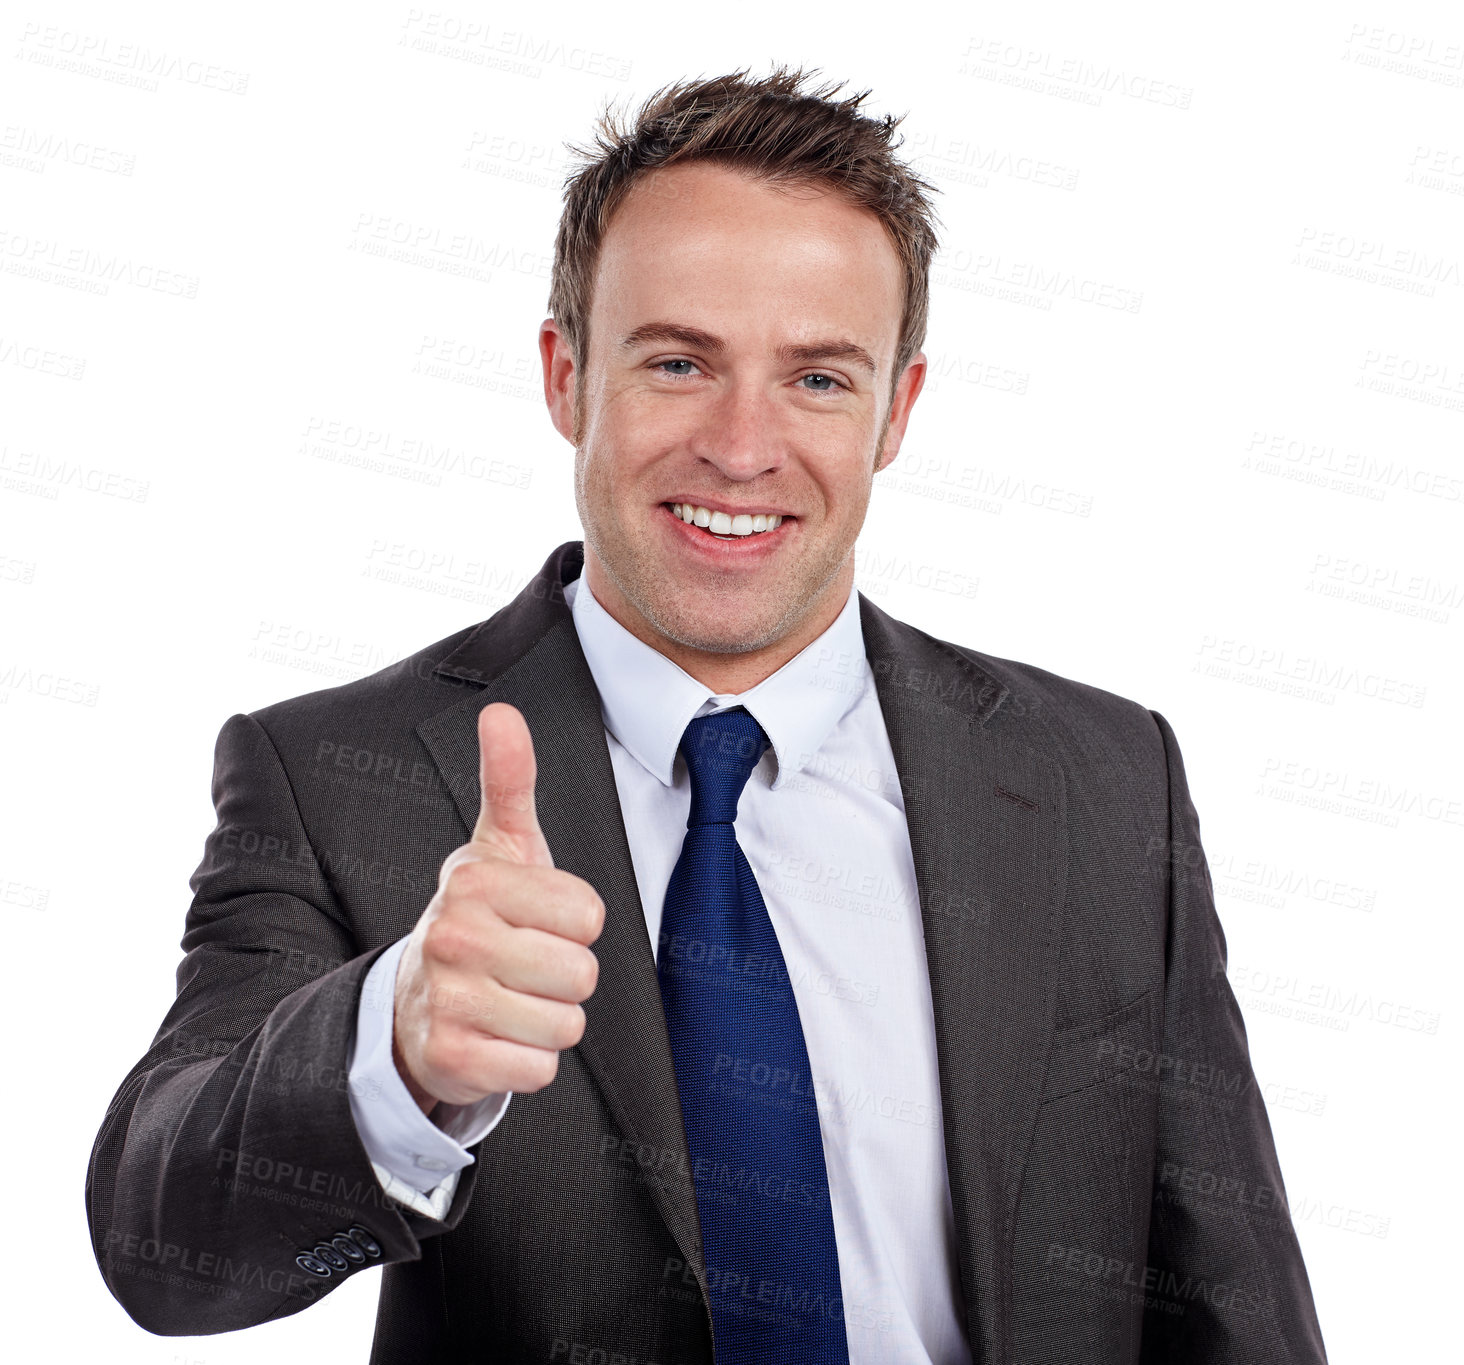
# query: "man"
880,924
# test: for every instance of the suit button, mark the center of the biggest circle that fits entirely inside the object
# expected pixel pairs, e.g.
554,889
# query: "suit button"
313,1264
333,1258
348,1249
363,1239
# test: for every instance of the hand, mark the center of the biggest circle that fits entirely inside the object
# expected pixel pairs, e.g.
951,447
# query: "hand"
489,987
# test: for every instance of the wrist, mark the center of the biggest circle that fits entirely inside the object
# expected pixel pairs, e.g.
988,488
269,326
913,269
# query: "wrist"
426,1102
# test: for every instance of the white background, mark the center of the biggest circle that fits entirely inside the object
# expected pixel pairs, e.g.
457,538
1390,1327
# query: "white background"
1237,501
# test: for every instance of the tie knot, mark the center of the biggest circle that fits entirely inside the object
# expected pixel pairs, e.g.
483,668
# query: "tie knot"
720,752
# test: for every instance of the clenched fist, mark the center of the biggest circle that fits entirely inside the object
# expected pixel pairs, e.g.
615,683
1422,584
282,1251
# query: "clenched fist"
488,990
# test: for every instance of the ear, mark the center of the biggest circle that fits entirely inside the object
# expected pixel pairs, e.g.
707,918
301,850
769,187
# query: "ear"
907,390
559,385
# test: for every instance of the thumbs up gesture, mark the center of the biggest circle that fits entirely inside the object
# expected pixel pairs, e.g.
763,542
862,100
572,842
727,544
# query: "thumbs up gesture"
489,987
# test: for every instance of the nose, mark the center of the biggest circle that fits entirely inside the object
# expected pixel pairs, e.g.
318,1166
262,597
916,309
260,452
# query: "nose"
741,433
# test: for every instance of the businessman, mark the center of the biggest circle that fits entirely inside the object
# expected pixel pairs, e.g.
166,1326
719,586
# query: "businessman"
692,961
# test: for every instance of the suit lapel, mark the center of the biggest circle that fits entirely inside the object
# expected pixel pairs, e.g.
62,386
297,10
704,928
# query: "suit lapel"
988,832
529,656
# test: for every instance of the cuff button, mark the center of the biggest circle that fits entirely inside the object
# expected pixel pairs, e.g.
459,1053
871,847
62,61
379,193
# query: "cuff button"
363,1239
313,1264
333,1258
348,1249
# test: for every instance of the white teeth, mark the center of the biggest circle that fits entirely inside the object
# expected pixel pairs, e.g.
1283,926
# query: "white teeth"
723,523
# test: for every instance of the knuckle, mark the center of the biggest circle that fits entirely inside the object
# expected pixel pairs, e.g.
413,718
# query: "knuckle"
471,880
446,943
455,860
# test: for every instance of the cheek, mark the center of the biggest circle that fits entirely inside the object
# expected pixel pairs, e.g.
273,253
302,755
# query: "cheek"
846,483
641,424
607,471
634,426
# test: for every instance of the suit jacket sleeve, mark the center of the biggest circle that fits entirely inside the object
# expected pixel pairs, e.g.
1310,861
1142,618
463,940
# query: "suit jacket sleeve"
1225,1272
229,1153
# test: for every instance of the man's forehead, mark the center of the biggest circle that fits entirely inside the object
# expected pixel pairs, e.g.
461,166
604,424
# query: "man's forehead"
698,271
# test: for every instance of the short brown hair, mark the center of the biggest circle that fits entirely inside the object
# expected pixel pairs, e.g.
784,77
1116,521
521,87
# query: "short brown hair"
776,132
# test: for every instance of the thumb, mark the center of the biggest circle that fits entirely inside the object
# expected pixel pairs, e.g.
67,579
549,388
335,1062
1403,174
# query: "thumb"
507,819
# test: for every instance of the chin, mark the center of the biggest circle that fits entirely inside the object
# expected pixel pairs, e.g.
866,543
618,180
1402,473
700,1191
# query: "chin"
728,637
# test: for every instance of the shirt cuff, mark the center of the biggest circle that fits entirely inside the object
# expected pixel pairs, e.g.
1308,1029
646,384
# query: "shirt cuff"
415,1153
434,1204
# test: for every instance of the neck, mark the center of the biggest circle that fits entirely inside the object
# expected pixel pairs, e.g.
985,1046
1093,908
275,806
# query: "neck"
722,673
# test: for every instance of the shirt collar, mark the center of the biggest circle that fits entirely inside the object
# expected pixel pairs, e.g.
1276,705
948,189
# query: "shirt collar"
647,701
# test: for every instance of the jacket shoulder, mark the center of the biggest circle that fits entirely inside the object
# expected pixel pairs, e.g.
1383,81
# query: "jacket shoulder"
1034,690
1110,748
394,698
1074,722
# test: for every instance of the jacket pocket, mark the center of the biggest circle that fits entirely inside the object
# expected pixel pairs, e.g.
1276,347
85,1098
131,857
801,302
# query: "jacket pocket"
1089,1053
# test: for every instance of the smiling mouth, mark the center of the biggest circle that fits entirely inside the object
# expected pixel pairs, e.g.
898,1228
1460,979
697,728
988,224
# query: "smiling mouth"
724,525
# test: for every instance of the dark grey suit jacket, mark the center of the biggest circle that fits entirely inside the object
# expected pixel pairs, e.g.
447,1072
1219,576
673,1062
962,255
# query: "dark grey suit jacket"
1113,1176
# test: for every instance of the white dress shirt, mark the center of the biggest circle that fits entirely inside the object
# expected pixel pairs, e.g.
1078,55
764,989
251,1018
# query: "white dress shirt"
822,823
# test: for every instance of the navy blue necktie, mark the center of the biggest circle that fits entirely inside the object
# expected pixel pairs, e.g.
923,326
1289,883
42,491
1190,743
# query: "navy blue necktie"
747,1096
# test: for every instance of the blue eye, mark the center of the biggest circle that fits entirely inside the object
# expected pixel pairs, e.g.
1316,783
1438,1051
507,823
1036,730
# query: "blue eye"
832,381
661,364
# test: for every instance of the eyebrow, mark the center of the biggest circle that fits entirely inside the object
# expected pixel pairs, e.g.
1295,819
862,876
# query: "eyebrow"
804,353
